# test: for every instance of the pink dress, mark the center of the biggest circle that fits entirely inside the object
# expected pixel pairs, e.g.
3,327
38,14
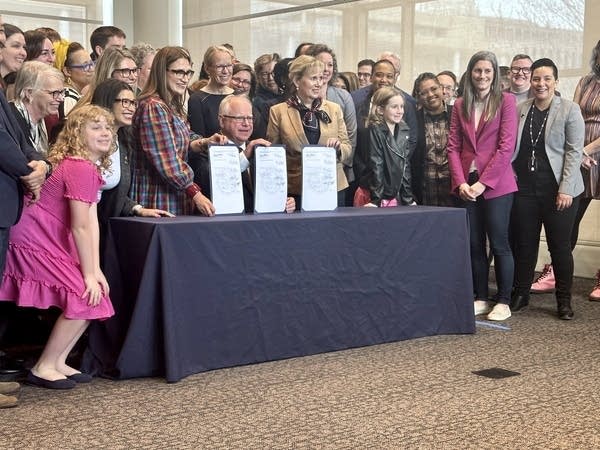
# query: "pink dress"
42,263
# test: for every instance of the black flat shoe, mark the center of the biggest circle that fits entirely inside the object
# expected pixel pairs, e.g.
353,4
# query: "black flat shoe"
80,377
566,314
33,380
519,302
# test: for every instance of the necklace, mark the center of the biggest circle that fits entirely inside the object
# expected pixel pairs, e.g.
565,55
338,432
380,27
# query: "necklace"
532,160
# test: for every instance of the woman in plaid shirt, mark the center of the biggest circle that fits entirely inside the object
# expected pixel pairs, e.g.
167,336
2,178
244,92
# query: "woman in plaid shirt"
161,176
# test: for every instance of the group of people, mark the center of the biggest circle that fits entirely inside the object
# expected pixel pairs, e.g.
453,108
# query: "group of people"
124,132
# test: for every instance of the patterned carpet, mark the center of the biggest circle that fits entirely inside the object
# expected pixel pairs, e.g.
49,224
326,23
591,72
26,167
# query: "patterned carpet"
418,394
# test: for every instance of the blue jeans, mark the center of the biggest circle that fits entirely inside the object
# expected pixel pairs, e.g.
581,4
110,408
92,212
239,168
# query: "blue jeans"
490,219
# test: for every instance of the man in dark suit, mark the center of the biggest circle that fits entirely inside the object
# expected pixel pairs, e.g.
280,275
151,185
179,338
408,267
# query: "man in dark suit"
22,170
235,120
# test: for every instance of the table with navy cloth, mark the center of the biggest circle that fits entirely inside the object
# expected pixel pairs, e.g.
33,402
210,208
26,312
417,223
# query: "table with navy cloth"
193,294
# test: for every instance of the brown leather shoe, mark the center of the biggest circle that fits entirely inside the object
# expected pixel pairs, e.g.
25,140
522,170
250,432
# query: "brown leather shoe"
8,387
8,401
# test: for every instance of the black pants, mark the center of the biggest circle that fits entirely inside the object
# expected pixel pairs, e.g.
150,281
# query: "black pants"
530,212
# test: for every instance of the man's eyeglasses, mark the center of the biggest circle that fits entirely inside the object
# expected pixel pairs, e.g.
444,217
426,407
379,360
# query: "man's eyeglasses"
516,70
125,73
56,95
448,88
239,119
182,73
85,66
364,75
267,75
240,81
127,102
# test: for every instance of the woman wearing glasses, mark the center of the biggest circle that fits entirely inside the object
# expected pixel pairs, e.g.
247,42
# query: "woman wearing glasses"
243,81
203,107
39,90
39,47
161,177
78,69
114,63
118,97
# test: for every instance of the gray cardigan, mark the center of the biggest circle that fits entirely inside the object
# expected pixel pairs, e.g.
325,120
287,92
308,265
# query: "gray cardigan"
564,136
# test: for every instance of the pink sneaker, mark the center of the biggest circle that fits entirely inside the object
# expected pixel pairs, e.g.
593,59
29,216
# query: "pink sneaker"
595,294
545,282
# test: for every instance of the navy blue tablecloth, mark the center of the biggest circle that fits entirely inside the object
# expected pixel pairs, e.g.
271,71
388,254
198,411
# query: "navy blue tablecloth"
193,294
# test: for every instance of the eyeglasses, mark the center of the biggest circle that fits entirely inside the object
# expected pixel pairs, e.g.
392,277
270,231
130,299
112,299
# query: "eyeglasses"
516,70
267,74
364,75
181,73
448,88
127,102
240,81
88,66
56,95
239,119
125,73
222,67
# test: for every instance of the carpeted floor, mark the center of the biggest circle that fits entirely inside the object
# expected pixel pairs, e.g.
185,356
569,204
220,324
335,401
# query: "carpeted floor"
405,395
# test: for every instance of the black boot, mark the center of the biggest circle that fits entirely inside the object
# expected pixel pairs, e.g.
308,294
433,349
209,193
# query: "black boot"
564,308
519,302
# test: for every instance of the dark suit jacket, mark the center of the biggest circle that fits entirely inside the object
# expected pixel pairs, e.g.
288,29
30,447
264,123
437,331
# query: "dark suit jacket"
116,202
15,153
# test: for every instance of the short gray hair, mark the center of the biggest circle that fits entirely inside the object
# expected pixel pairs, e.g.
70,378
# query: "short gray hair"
31,76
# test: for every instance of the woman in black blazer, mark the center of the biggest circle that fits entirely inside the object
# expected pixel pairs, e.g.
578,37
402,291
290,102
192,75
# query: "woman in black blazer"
118,97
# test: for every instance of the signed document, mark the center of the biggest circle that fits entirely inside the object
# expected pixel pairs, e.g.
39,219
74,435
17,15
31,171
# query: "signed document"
319,179
270,192
226,179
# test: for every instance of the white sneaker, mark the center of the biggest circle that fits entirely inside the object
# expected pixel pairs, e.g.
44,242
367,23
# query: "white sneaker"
482,307
500,312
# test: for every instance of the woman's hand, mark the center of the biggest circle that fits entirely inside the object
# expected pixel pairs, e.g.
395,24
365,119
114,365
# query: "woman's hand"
370,205
204,205
93,290
103,282
149,212
477,189
465,193
563,201
588,162
333,142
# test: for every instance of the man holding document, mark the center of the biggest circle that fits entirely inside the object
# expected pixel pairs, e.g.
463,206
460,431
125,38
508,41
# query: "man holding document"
236,122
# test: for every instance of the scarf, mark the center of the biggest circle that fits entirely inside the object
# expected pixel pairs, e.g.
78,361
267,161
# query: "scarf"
310,117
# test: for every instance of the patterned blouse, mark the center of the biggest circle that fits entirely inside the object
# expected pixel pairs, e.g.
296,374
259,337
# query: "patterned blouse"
589,101
160,172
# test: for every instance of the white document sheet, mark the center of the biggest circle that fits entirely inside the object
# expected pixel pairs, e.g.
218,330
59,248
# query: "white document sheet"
226,179
319,179
270,193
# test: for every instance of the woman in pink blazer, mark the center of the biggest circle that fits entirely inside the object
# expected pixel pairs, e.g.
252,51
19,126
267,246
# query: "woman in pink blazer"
482,140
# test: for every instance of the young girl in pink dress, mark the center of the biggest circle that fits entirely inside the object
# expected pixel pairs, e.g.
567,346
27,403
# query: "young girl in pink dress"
53,257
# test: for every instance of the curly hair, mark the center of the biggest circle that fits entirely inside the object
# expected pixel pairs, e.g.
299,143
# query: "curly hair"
71,140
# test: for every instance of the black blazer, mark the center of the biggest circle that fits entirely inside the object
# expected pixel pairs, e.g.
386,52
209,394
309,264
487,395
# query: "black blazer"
116,202
15,153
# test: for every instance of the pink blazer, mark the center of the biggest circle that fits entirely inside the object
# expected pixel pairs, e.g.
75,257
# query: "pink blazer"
491,145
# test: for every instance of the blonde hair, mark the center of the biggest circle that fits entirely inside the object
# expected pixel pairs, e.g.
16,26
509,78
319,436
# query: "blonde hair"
381,98
300,66
71,140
